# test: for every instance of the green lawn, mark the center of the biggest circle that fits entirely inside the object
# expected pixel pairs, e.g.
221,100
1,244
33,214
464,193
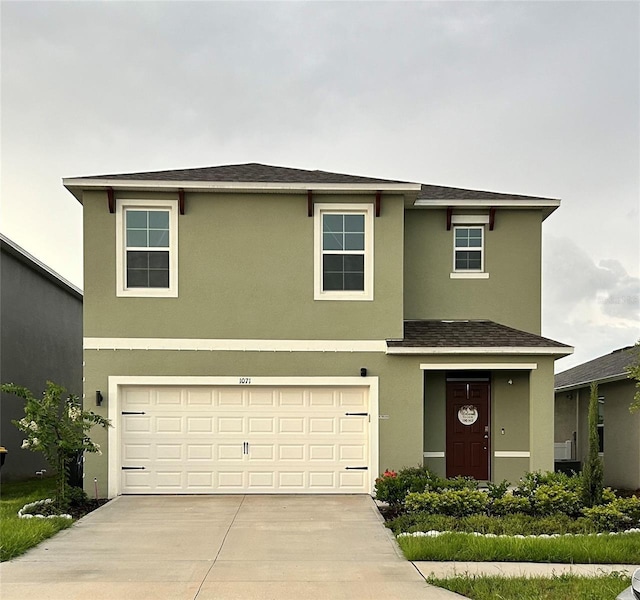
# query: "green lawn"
18,535
560,587
598,549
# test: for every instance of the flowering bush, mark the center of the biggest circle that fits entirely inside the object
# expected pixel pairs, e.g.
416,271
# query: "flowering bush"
57,427
392,487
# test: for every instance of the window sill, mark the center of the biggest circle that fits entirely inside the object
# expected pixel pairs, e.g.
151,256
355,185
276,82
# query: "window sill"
346,296
147,293
462,275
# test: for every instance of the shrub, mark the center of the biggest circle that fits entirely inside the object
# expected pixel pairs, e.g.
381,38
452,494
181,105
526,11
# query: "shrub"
531,481
550,499
454,483
510,505
497,490
593,473
56,426
453,502
517,524
618,515
607,517
392,487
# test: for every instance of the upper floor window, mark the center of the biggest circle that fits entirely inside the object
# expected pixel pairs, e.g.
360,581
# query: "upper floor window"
344,252
468,248
468,251
146,241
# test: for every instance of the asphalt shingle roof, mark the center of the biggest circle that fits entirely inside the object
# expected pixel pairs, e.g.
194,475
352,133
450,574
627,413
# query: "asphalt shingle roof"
246,173
610,365
439,192
468,334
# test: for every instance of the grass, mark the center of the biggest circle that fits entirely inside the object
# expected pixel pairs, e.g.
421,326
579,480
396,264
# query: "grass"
601,549
560,587
18,535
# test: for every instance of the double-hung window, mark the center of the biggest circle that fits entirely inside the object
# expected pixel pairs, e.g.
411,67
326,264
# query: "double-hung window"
468,247
146,238
344,252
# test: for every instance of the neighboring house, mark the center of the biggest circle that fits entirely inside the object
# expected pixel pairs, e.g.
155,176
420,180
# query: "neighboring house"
265,329
618,428
40,340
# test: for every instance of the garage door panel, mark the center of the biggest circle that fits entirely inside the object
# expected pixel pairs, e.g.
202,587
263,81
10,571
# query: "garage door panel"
199,397
230,397
237,440
321,398
168,425
321,425
199,451
169,452
169,397
261,398
261,425
291,398
231,425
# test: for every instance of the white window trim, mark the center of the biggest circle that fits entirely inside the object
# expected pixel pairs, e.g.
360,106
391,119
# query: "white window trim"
355,208
121,267
469,273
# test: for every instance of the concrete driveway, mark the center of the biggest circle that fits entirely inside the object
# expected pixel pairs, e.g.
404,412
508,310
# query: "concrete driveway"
221,547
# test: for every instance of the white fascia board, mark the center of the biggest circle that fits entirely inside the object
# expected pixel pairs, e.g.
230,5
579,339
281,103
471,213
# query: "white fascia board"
161,185
489,203
581,384
233,345
495,350
478,366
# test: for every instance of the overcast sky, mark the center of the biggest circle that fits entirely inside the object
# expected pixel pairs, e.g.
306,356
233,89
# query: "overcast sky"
535,98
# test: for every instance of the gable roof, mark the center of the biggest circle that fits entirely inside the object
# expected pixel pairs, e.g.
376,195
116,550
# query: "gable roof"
11,248
260,177
610,367
471,336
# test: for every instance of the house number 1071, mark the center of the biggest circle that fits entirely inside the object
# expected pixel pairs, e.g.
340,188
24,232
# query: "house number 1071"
244,380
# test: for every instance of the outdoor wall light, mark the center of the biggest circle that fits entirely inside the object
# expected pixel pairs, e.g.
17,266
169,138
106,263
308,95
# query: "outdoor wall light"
363,371
510,382
99,398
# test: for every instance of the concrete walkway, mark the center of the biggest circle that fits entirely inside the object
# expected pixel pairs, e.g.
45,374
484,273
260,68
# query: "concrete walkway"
221,547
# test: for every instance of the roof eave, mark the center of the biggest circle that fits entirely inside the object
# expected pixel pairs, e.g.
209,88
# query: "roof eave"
581,384
494,350
77,185
548,205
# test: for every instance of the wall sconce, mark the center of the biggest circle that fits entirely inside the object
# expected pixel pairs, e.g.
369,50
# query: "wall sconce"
510,382
363,371
99,398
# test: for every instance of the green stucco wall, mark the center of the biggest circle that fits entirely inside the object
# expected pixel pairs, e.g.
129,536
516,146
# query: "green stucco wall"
245,272
511,295
621,455
400,388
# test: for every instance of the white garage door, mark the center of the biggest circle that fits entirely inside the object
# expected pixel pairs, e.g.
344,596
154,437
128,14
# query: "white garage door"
240,439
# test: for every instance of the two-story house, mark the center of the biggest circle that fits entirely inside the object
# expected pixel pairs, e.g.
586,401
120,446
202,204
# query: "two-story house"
251,328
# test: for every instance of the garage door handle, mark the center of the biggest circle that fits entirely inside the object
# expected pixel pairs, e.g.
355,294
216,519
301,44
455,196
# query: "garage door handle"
133,468
127,412
357,414
357,468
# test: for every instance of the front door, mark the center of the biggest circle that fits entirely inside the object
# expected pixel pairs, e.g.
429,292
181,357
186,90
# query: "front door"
468,440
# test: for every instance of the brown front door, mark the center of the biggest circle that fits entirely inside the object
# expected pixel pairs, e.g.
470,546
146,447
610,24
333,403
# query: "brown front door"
468,429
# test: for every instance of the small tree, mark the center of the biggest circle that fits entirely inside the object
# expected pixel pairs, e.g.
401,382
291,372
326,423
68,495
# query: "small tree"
57,427
634,373
592,472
